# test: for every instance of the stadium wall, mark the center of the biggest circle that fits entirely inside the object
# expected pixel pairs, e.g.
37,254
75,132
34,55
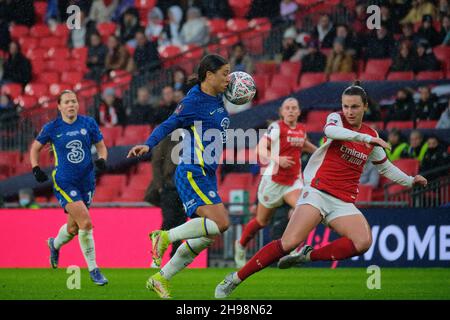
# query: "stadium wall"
121,238
401,238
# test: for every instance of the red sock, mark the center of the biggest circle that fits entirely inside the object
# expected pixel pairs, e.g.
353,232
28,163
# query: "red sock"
249,231
340,249
270,253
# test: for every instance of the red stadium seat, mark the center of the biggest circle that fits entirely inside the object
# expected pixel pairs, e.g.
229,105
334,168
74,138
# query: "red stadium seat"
228,39
238,180
253,41
106,194
430,75
371,76
58,53
58,65
48,77
246,155
266,68
399,76
318,116
291,69
237,24
38,53
12,89
378,67
409,166
61,31
52,42
105,29
217,25
134,134
145,171
36,89
314,126
26,101
18,31
117,181
240,8
261,82
427,124
399,125
28,43
311,79
275,93
40,31
110,134
80,53
132,195
343,76
283,81
56,88
145,4
365,193
262,25
40,8
171,54
38,66
72,77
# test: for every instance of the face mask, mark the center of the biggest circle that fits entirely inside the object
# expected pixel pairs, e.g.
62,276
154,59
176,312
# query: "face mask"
24,202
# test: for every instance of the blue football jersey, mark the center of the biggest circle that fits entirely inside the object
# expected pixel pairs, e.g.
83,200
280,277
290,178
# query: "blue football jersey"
206,121
71,145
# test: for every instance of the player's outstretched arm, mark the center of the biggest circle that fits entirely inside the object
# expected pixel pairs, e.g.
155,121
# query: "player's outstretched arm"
138,151
39,175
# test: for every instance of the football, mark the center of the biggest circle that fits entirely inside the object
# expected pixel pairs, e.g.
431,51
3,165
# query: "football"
241,88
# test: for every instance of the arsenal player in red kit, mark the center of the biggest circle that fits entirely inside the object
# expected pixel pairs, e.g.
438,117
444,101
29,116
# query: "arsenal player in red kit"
331,186
281,147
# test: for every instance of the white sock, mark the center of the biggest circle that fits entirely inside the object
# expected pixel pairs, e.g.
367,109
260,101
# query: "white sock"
194,228
236,279
184,256
87,245
62,238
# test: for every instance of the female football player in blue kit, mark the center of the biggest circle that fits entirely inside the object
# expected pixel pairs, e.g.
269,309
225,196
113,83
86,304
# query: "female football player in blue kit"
202,114
71,137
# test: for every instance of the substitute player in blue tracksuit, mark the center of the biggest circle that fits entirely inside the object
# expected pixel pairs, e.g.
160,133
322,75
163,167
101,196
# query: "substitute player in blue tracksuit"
203,116
71,137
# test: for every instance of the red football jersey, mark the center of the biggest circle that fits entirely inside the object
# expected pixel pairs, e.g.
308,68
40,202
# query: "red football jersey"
285,141
337,165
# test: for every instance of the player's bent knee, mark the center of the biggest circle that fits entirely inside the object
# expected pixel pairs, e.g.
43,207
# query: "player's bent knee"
223,225
362,245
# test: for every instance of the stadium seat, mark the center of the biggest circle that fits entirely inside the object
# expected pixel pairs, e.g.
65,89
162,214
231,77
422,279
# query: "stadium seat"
48,77
26,101
40,8
56,88
253,41
399,125
400,76
311,79
52,42
426,124
262,82
132,195
282,81
59,65
318,116
238,180
409,166
134,134
240,8
378,66
41,199
18,31
117,181
28,43
145,4
217,25
246,155
110,134
371,76
80,53
275,93
72,77
266,68
61,31
36,89
9,161
170,54
144,171
58,53
343,76
291,69
12,89
262,25
365,193
105,29
106,194
237,25
40,31
430,75
377,125
227,39
37,53
314,126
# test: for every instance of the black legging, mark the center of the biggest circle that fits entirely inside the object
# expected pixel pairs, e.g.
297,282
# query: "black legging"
172,212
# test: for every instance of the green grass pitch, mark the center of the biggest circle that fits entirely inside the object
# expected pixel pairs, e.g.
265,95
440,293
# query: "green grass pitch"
193,284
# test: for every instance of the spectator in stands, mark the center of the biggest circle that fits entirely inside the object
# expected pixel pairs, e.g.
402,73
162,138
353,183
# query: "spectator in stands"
428,32
314,60
427,107
5,37
194,30
146,54
179,80
52,15
289,46
178,95
339,60
122,6
80,37
350,42
443,8
408,34
288,9
239,59
436,156
155,25
418,10
403,108
172,29
26,199
111,112
96,57
373,112
404,60
102,10
444,120
118,56
426,60
129,25
380,44
399,148
370,175
264,8
445,30
325,32
417,146
16,68
215,8
166,106
21,12
142,111
359,19
387,18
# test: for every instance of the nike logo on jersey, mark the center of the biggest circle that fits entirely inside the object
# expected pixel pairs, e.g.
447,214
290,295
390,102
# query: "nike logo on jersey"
220,110
59,135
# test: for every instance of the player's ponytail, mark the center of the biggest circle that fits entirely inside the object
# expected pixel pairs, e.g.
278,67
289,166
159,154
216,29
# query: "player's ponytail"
356,90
